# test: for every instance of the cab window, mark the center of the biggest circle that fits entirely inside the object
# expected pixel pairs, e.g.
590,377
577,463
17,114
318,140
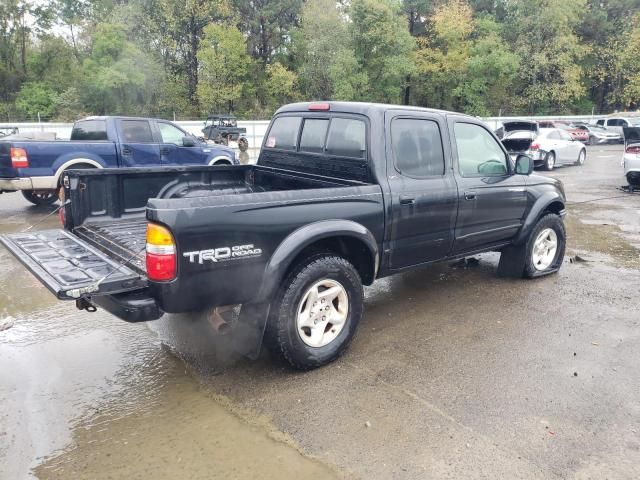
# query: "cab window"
284,133
313,134
417,147
136,131
346,138
478,152
170,133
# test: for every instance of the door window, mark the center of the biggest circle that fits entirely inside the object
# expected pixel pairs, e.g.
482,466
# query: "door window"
478,152
136,131
284,133
347,138
565,136
313,135
417,147
170,133
600,122
614,122
554,135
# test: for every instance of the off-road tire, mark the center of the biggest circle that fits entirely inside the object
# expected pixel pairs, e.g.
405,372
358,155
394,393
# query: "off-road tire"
549,161
41,197
282,335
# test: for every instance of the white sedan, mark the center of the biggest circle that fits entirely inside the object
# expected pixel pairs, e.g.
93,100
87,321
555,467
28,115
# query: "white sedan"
548,147
631,158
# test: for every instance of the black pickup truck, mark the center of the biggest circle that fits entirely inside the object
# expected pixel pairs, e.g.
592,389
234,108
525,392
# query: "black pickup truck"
342,194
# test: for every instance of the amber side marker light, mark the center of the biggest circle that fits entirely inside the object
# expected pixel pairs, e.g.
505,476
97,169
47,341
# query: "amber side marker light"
161,253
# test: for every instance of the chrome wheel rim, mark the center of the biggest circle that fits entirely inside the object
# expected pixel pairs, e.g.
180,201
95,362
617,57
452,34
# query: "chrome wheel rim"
581,157
551,161
322,313
544,249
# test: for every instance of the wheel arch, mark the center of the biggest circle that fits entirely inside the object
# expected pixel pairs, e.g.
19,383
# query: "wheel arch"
220,160
75,161
549,202
346,238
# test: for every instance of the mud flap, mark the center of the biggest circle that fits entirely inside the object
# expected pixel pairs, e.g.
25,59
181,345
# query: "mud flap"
249,331
70,268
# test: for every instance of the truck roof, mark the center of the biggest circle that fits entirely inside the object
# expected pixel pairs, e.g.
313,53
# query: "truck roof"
364,108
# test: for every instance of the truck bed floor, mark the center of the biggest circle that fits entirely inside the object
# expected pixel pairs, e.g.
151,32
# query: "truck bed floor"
123,240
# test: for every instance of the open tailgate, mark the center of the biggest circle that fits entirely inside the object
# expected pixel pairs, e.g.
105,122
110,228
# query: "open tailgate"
69,267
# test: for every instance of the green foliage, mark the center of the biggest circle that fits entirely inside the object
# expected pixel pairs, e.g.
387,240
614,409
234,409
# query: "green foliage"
224,65
382,46
36,98
65,58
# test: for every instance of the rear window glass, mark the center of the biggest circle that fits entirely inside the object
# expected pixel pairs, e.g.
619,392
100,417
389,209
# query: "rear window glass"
89,130
314,132
284,133
136,131
347,138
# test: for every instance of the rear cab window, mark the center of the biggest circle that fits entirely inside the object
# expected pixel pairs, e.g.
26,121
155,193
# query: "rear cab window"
330,135
89,130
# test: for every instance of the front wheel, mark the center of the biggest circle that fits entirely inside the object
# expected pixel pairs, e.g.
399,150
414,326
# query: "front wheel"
545,247
582,156
243,144
316,312
40,197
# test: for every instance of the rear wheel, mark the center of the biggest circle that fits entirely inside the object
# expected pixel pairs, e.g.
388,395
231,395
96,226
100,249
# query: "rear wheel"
581,157
40,197
243,144
316,312
549,161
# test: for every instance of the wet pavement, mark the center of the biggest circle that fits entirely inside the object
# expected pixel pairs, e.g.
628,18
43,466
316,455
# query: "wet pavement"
455,373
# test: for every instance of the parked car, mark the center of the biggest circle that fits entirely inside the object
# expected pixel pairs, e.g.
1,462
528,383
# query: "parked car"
616,124
548,147
599,135
576,133
631,158
36,167
342,194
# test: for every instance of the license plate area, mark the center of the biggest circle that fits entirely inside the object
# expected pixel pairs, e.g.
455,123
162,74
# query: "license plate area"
69,267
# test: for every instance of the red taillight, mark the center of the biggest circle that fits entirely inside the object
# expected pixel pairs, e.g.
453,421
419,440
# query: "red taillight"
635,149
161,268
161,253
319,107
534,146
19,157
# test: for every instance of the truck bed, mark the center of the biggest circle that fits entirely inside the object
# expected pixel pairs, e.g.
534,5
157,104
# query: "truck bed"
123,240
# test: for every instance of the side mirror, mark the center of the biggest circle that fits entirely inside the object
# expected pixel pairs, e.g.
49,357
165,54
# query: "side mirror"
188,142
524,165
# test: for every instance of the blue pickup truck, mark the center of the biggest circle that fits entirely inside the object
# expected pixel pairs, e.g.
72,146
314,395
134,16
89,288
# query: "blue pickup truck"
35,167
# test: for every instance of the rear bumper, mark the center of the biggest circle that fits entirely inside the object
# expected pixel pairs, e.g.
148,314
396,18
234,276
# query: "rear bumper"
137,306
15,184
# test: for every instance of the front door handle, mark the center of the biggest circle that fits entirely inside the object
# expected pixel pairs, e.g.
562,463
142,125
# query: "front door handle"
469,195
164,151
126,151
406,200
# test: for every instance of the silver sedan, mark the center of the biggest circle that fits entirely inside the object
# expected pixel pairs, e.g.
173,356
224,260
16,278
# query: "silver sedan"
548,147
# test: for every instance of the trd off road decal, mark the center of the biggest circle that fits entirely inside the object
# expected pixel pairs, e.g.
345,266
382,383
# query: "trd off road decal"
223,254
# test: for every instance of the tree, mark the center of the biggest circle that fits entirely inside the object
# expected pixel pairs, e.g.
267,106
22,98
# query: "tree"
267,24
317,45
382,47
35,100
544,35
224,64
117,76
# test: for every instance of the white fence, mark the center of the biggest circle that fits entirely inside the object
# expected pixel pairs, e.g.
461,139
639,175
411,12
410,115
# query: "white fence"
256,129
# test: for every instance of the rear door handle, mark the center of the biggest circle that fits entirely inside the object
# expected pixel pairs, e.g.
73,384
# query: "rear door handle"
469,195
406,200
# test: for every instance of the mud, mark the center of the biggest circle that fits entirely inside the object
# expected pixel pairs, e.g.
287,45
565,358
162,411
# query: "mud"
455,373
